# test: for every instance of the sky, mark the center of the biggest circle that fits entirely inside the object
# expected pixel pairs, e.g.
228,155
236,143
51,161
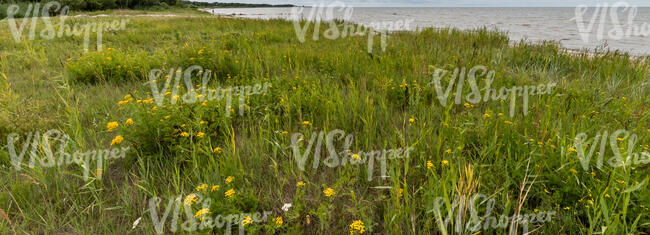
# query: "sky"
443,3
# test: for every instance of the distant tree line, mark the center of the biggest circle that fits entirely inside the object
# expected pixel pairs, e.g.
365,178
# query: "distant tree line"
94,5
231,5
97,5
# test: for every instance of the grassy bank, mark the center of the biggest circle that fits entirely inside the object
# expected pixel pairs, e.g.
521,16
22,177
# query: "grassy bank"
384,99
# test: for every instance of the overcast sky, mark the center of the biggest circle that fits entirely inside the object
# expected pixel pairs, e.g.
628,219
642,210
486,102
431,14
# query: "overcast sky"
443,3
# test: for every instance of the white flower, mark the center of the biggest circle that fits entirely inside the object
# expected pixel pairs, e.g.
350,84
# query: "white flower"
286,206
136,222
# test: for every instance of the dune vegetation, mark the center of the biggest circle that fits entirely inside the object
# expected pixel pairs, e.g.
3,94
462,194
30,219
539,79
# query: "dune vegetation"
527,162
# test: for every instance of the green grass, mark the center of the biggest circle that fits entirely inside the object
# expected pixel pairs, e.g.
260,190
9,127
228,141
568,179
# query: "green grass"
332,84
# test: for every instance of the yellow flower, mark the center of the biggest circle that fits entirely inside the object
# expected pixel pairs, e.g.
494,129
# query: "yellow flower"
284,132
112,125
448,151
230,193
168,93
329,192
189,199
357,226
411,120
216,150
573,171
467,105
246,221
619,139
200,135
306,123
429,165
567,208
229,179
355,156
214,188
202,122
572,150
128,122
201,212
201,187
185,134
500,114
445,162
300,184
278,221
508,122
122,102
486,115
118,139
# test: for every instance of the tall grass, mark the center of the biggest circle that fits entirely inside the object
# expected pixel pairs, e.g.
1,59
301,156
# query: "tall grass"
383,98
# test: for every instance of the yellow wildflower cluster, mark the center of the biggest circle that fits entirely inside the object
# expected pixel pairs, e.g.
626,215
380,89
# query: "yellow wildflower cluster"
357,226
117,140
201,187
189,199
127,99
278,221
201,212
329,192
230,193
111,126
246,221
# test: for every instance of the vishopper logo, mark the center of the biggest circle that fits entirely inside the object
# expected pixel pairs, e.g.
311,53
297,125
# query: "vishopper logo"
199,219
41,152
322,12
460,75
616,143
348,157
61,29
465,210
604,14
204,94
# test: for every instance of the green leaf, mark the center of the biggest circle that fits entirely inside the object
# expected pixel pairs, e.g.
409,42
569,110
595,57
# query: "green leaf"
636,187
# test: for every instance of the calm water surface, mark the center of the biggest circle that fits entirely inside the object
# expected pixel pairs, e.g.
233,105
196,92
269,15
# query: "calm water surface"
533,24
